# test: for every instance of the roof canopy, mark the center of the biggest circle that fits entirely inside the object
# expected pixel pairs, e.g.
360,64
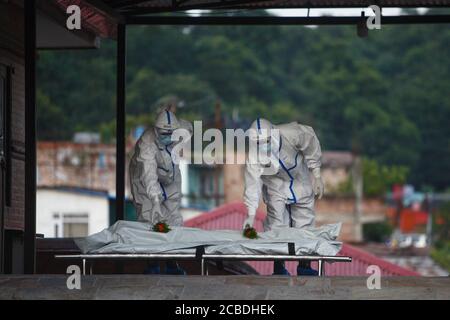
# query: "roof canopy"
101,16
137,7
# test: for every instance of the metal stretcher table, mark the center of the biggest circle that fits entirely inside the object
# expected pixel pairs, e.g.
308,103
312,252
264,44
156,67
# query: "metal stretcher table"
202,257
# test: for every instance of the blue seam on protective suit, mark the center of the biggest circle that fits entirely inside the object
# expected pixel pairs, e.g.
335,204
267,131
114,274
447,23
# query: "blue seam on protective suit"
173,165
290,214
168,117
259,125
294,198
164,191
296,156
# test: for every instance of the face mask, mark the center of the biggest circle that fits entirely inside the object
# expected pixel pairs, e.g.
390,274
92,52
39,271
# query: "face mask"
165,139
265,148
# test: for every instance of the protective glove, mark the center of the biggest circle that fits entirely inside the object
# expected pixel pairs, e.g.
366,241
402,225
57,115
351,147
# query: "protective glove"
317,183
250,219
157,209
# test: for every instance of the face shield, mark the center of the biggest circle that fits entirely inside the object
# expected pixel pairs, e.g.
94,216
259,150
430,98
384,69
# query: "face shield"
263,149
264,146
164,136
165,124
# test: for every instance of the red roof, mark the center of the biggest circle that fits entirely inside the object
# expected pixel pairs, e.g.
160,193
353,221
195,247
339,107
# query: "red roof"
232,216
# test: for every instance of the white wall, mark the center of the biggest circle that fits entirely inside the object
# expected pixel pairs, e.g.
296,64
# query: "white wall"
50,202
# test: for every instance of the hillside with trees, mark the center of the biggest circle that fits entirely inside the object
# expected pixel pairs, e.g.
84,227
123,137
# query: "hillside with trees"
386,96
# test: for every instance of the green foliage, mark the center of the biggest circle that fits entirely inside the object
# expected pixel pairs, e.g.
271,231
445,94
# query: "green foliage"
378,179
385,96
377,231
155,86
442,224
441,255
161,227
108,129
250,233
441,250
48,113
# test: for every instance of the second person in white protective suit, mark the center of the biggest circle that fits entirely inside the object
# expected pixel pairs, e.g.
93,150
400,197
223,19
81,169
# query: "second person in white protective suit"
156,180
285,183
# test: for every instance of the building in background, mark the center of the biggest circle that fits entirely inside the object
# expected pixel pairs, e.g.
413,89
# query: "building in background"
64,212
81,165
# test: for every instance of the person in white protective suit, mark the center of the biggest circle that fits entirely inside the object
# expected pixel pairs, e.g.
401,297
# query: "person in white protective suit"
156,180
285,181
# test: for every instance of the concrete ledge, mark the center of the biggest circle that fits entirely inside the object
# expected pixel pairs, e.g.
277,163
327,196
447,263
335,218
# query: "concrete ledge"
220,287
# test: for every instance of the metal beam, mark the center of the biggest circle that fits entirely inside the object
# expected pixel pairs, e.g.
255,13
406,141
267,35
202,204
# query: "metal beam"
200,6
133,10
30,137
277,20
120,122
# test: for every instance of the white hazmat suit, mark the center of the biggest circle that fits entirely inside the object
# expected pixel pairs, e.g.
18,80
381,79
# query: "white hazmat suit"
288,192
155,179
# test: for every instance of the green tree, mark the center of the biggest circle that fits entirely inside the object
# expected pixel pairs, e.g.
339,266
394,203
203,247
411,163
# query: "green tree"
377,178
385,96
50,113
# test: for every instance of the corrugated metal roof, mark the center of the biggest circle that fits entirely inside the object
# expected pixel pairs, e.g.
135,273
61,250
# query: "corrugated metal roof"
231,216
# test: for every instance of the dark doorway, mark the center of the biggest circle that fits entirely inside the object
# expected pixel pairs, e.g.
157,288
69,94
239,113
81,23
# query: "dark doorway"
3,101
5,170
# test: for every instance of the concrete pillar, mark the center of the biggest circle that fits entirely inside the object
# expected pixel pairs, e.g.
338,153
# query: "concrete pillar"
357,177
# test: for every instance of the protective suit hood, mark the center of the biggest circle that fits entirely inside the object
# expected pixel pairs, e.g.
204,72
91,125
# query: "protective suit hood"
167,120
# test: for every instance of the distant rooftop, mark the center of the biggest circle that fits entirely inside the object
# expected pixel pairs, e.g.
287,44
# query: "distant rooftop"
337,159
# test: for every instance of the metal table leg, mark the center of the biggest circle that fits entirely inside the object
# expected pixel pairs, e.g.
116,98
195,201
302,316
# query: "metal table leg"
202,267
91,268
321,268
84,267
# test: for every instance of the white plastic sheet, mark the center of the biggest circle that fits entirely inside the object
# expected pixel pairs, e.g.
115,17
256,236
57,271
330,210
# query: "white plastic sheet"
138,237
